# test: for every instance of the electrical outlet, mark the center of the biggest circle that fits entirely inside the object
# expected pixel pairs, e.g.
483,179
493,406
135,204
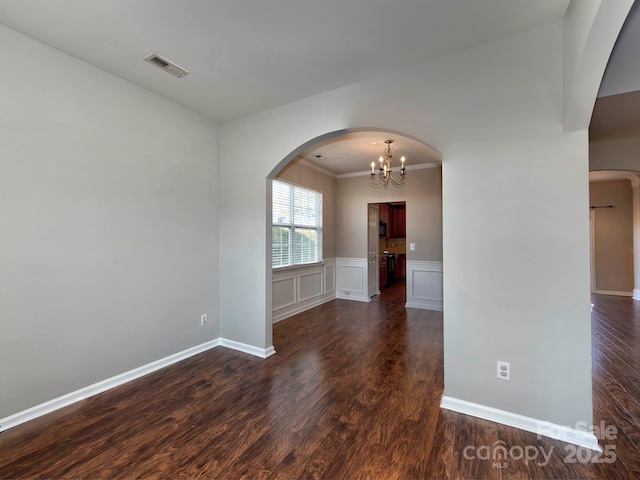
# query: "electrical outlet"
503,371
204,319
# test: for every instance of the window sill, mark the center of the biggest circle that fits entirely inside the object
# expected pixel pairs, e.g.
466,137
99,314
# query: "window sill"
296,267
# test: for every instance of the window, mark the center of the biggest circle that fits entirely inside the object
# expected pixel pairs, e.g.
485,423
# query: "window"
297,225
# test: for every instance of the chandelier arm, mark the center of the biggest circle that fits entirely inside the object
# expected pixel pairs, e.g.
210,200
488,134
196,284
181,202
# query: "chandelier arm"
384,175
399,182
376,181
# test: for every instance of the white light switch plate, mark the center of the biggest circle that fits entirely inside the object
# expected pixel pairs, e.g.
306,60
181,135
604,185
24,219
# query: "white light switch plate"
412,246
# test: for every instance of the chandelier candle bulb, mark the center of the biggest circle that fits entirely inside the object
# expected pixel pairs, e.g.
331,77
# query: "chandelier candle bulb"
385,172
373,168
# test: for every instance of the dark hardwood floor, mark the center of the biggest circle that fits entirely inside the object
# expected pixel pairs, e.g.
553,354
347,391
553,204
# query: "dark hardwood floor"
353,392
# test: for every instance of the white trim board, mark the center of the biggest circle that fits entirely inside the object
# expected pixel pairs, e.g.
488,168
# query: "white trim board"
300,309
366,173
102,386
539,427
246,348
434,305
617,294
347,296
317,168
122,378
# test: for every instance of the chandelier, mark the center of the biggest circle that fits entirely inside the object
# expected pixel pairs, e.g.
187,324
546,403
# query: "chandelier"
384,174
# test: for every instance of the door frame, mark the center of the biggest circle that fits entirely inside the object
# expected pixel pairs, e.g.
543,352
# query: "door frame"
376,286
592,248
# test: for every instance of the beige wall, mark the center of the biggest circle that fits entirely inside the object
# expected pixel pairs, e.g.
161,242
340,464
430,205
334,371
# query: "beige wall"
308,177
345,210
423,195
618,154
613,247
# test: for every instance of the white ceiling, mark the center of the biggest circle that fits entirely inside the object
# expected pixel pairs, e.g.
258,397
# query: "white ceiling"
248,56
354,152
623,70
616,113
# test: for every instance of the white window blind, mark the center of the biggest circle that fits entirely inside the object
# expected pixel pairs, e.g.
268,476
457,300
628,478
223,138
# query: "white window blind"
297,225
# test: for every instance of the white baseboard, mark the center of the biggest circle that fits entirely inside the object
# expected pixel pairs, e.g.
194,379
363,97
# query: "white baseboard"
636,294
102,386
355,298
425,304
539,427
246,348
617,294
302,308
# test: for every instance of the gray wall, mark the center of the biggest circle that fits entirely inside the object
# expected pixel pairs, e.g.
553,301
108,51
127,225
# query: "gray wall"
496,113
308,177
109,217
423,194
109,241
613,246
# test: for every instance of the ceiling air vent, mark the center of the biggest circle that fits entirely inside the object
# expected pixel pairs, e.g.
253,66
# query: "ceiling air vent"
166,65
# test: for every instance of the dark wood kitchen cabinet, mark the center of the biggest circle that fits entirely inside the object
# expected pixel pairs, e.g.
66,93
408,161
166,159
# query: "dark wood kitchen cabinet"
401,267
384,214
398,216
395,218
382,268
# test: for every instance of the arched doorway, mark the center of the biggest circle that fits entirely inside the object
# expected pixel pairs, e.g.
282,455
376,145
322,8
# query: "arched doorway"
343,158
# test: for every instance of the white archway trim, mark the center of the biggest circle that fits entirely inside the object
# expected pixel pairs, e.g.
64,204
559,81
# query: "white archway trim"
591,28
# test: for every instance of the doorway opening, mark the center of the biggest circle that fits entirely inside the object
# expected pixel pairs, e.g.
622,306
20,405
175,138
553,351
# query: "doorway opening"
387,247
611,222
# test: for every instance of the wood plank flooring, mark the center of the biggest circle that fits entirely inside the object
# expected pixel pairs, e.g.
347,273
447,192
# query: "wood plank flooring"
353,392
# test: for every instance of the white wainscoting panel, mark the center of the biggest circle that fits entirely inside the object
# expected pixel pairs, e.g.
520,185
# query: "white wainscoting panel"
330,278
351,279
424,285
300,288
284,292
311,285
